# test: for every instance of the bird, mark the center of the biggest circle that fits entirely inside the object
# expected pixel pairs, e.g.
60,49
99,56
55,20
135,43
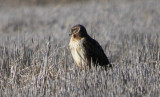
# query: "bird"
85,50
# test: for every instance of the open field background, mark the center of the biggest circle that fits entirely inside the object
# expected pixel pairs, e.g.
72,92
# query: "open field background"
35,59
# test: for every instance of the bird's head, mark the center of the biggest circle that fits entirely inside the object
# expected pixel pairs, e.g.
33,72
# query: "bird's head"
78,31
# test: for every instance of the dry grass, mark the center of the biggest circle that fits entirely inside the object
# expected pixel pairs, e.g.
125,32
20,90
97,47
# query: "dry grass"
35,59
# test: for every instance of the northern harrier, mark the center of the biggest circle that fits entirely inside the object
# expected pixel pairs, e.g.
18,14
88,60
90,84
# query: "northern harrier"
86,50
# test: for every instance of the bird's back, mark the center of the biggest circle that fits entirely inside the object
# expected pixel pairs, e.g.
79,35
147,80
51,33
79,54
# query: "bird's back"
95,53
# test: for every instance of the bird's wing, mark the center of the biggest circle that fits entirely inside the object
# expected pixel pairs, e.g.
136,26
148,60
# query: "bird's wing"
95,52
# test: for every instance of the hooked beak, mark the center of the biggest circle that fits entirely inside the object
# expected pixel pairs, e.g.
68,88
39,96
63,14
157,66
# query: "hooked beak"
70,33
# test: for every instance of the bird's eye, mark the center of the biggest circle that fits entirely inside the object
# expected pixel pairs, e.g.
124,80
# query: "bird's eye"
72,30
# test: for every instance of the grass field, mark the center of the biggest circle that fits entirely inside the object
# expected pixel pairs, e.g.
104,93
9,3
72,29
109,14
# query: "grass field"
35,59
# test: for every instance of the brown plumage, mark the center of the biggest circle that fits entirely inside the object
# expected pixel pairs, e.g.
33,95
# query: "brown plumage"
86,50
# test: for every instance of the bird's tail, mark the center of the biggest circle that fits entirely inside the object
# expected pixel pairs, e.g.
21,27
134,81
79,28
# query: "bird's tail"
110,65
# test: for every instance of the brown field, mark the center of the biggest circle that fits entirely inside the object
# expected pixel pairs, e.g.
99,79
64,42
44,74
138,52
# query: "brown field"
35,59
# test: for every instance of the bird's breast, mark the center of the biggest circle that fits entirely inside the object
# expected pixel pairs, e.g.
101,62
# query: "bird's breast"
77,51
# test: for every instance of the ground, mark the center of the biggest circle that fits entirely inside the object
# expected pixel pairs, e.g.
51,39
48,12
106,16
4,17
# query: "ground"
35,59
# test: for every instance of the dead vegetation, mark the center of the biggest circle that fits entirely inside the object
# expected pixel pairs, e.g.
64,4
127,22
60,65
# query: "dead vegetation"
37,62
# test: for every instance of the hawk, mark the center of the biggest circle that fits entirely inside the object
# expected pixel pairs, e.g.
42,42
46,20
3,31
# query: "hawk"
86,50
